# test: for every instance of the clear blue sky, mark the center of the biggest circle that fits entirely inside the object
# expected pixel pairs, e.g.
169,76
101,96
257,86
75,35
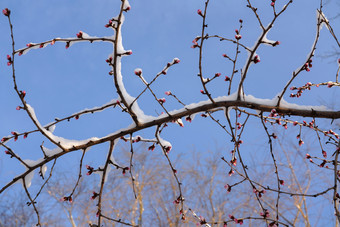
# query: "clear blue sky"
60,82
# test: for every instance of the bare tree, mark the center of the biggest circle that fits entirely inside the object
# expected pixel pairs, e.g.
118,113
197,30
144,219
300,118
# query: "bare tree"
203,181
271,187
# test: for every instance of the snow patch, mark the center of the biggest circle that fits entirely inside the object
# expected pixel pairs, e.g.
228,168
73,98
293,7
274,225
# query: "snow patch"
267,41
126,4
321,15
28,179
65,143
32,163
51,128
52,152
43,170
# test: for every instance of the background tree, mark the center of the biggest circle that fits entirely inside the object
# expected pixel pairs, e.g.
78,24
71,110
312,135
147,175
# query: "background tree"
203,181
260,177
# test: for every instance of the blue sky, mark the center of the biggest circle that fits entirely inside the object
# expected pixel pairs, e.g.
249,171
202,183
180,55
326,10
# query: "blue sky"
60,82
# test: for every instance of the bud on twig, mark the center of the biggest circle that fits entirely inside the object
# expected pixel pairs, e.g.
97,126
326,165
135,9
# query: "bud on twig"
6,12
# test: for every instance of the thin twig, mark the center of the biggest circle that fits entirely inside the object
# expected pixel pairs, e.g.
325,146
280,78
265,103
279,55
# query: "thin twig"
130,169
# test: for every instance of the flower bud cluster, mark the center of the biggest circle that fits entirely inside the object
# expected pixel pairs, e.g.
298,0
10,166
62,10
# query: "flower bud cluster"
331,132
15,134
178,200
231,172
237,36
22,94
233,161
80,35
227,187
308,65
259,192
67,198
273,3
90,170
167,149
152,147
9,60
9,153
161,100
94,195
202,221
236,220
307,86
256,59
6,12
265,214
276,43
125,169
111,23
195,44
